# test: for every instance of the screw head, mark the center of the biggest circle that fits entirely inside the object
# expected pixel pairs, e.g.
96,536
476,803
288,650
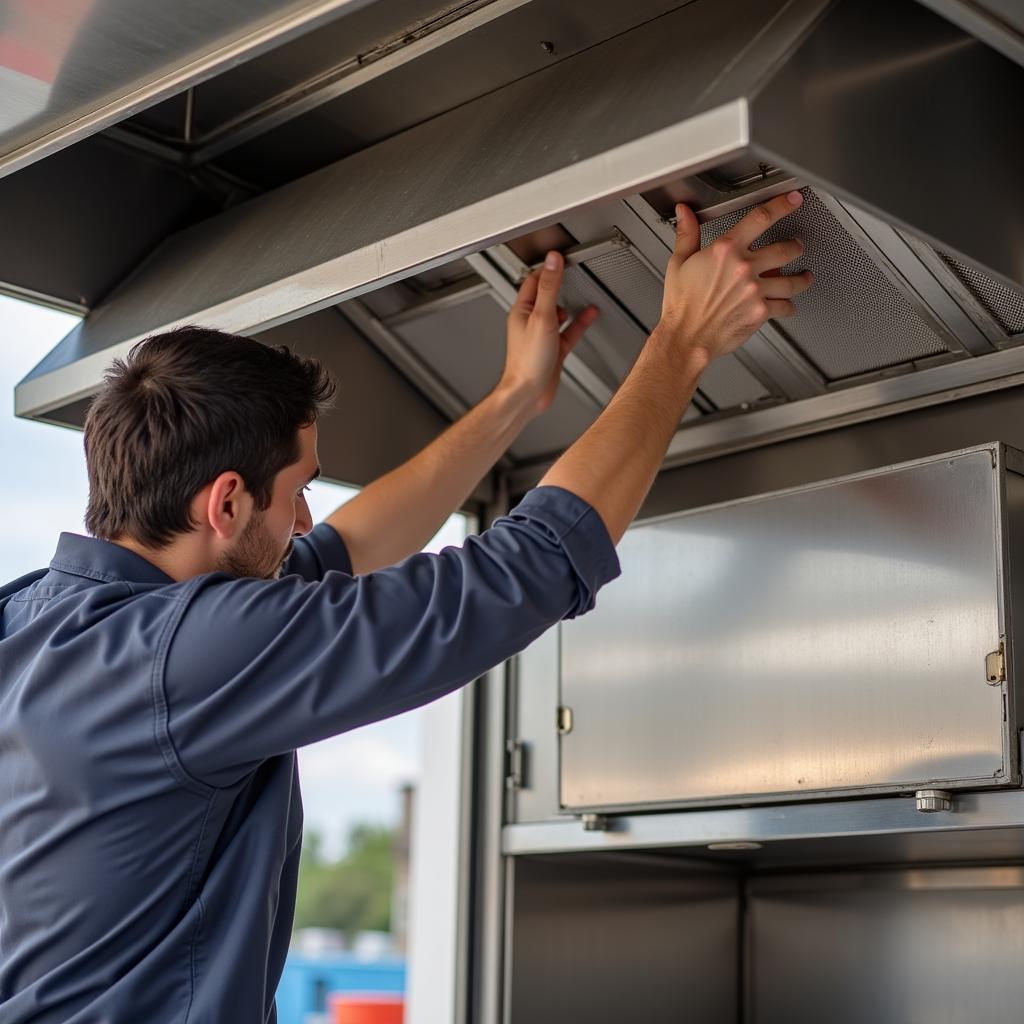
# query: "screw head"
547,47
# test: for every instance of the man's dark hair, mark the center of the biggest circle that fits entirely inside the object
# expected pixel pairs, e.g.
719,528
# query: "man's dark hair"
181,409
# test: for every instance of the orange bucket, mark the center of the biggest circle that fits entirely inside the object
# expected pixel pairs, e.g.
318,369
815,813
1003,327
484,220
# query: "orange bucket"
362,1009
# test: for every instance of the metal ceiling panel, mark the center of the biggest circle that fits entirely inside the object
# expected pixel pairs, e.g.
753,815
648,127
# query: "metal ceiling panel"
76,224
853,321
304,62
366,101
465,345
68,69
525,154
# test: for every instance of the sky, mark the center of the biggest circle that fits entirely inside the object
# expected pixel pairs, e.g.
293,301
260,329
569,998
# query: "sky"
43,488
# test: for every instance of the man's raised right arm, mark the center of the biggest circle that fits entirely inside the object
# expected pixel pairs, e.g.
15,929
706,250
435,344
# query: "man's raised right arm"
714,300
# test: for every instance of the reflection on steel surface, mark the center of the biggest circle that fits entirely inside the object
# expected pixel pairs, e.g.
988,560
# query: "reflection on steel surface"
937,946
832,638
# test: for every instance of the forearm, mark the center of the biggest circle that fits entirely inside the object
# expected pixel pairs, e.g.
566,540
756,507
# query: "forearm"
397,514
613,465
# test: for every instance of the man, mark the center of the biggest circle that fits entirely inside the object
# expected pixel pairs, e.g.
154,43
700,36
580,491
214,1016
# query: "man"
157,679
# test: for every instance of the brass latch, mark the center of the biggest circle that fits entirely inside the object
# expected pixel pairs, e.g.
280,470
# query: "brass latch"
995,667
564,720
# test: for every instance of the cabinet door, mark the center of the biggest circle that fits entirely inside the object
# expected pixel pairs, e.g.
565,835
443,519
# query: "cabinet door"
826,640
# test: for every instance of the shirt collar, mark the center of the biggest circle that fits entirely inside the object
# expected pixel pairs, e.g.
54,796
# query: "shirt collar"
104,561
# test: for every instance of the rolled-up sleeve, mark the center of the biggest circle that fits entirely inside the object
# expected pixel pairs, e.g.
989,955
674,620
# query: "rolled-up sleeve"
256,668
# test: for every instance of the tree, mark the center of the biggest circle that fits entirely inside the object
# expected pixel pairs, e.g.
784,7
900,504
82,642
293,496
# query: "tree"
352,894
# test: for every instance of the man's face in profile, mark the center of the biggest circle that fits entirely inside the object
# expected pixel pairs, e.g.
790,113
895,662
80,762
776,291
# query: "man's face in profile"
257,552
267,539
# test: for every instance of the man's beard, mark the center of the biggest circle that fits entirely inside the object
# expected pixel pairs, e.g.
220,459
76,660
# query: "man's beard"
255,554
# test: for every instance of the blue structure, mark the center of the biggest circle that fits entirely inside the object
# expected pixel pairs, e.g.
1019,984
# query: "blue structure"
307,980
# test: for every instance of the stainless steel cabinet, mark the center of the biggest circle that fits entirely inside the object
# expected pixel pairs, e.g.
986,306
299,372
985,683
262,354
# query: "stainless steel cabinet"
838,638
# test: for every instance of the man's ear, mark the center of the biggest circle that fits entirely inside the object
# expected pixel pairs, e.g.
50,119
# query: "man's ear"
228,504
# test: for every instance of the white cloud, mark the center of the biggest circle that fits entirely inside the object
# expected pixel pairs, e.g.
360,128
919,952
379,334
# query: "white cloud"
364,757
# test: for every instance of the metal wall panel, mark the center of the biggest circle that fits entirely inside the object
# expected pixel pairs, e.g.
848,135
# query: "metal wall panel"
936,946
613,939
829,639
534,687
855,449
1014,533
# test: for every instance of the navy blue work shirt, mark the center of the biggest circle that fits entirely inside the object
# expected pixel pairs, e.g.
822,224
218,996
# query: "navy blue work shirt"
150,818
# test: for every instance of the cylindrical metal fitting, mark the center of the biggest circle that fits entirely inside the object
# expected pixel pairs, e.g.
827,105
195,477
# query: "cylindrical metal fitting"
929,800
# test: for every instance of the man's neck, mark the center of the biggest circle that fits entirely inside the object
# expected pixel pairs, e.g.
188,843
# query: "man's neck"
181,560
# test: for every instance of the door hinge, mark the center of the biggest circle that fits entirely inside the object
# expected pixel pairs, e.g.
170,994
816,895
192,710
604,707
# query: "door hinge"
564,720
995,666
515,761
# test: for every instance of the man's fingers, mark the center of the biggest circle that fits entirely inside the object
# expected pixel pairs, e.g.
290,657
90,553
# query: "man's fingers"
771,257
548,284
779,308
761,218
527,295
785,287
687,232
575,330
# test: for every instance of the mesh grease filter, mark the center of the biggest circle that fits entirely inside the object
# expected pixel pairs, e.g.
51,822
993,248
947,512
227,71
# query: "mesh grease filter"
726,382
853,320
611,345
1004,304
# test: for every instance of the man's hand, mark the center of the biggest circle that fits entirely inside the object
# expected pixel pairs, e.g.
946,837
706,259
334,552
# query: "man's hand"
397,514
717,297
536,347
714,300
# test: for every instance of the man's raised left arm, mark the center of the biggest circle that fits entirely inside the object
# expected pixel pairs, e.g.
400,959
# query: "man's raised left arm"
394,516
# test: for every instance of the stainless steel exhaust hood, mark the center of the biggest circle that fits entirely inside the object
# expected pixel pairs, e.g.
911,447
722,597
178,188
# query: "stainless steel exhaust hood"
71,69
419,239
489,170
